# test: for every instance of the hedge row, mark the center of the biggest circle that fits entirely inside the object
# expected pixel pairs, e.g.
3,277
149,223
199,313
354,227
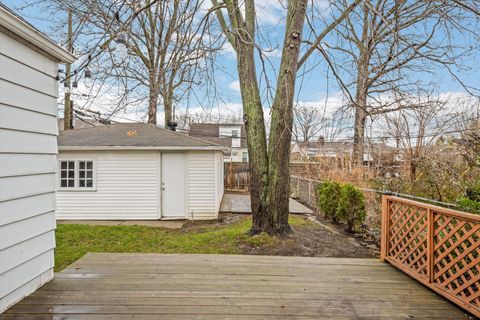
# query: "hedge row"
342,203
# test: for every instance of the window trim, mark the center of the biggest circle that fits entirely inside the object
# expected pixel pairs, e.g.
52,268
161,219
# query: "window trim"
77,175
245,159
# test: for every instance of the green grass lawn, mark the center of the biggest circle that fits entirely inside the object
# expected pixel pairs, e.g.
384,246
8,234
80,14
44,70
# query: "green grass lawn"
73,240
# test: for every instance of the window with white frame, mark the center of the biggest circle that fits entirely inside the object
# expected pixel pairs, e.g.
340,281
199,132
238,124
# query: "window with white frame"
77,174
85,174
67,174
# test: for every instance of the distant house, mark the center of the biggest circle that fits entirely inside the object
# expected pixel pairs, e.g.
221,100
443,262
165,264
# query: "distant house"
232,136
312,149
384,157
28,148
137,172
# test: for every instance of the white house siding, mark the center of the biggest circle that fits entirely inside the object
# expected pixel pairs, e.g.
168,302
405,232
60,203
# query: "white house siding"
220,179
202,185
28,147
127,187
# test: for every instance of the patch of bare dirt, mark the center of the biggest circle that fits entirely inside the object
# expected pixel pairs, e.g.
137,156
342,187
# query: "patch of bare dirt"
224,219
317,239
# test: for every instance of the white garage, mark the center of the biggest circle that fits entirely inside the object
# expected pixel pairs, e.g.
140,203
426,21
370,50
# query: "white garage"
132,171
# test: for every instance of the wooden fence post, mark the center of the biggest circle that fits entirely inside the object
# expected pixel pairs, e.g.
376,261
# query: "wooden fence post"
384,231
430,244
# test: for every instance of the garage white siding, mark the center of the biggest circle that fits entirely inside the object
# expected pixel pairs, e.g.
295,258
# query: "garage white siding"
220,179
202,185
127,187
28,147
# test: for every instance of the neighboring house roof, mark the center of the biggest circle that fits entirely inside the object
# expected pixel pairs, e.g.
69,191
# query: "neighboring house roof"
80,123
211,132
130,136
322,147
19,28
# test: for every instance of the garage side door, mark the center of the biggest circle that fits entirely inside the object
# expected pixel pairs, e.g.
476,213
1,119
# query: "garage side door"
174,204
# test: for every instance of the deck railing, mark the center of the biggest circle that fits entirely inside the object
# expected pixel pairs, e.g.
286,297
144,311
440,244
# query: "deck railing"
437,246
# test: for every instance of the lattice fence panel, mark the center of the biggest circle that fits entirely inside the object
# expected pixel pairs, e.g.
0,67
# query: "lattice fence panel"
456,267
437,246
408,237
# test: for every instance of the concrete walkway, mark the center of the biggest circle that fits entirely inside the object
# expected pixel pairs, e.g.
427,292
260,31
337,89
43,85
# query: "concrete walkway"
240,203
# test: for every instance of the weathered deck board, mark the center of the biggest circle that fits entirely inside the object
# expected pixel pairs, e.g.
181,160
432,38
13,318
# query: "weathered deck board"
156,286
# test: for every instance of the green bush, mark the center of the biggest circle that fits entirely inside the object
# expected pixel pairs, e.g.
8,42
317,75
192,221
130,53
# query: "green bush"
471,201
328,195
468,205
351,207
473,192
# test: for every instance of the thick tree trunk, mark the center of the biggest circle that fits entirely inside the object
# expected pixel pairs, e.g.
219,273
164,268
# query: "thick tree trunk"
168,108
168,104
152,101
278,191
359,134
361,92
256,137
152,109
360,110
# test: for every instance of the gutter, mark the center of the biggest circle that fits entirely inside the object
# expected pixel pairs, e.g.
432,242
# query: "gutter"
27,32
146,148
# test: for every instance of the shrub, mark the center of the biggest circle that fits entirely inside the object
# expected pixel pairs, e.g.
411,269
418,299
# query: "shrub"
328,195
468,205
471,201
351,207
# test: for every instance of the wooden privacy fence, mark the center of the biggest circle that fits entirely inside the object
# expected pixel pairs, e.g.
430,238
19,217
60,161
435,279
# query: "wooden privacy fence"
237,177
437,246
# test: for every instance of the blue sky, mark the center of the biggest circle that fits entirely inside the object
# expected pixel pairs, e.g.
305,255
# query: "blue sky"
316,89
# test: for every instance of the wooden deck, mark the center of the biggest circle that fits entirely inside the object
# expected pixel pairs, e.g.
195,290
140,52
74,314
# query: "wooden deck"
156,286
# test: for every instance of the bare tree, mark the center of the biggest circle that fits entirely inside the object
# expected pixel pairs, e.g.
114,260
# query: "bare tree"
308,123
416,130
168,42
382,46
269,168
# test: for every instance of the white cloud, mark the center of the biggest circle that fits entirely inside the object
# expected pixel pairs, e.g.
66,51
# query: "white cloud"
235,86
272,52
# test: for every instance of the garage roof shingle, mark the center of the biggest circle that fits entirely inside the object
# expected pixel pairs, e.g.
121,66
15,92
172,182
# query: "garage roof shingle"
130,135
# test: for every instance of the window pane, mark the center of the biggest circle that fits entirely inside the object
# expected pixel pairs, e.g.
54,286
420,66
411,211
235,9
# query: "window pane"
63,183
71,174
71,164
82,165
82,183
63,165
89,174
89,165
89,183
71,183
82,174
64,174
